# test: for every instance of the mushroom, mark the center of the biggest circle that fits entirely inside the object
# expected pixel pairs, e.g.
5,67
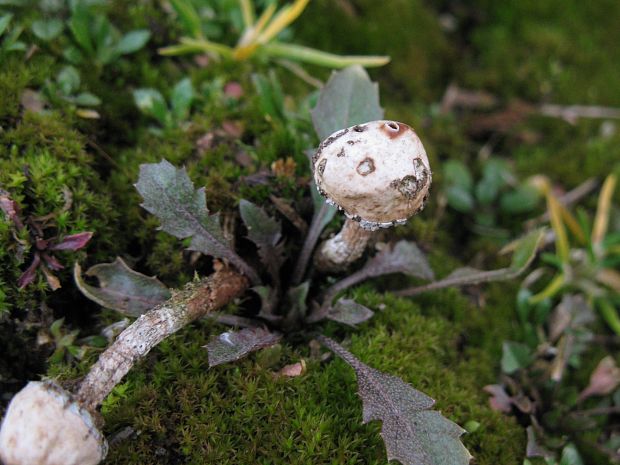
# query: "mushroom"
379,174
46,425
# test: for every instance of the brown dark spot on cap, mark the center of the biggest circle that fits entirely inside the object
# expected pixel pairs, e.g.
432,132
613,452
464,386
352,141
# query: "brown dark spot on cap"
341,153
366,166
407,186
393,129
359,128
321,167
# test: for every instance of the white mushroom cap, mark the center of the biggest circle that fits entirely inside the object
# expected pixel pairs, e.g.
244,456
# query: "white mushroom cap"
377,172
45,426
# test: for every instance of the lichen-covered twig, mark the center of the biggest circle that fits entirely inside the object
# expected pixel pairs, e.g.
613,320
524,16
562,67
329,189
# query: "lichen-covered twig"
196,300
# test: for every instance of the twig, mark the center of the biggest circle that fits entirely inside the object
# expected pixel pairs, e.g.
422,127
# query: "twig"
571,113
195,301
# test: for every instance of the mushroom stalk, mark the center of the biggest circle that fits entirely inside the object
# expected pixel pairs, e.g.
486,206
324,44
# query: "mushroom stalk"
338,252
47,425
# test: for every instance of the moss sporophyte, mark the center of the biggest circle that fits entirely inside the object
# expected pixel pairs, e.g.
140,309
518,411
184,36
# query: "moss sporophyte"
388,178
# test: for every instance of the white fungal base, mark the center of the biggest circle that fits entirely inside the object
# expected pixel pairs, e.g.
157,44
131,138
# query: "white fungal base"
44,425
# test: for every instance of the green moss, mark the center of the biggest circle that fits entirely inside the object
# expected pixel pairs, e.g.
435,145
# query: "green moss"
404,29
547,49
239,413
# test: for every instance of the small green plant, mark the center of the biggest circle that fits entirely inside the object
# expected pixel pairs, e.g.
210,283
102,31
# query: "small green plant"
558,326
497,193
169,114
258,39
96,40
65,89
9,36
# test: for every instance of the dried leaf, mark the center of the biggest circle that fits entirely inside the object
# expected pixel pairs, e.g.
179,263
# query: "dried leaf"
121,288
73,242
169,194
231,346
30,274
293,370
349,312
413,434
10,209
603,380
524,254
266,233
499,399
52,280
348,98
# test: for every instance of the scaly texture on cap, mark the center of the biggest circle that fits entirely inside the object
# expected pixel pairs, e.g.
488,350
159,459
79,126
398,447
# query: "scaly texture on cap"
377,172
45,426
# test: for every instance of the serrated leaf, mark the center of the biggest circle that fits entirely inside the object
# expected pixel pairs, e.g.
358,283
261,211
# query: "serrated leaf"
349,312
132,41
524,254
348,98
266,233
413,434
121,288
47,29
169,194
234,345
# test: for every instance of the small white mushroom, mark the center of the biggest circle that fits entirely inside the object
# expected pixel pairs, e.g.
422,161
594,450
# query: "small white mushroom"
60,432
379,174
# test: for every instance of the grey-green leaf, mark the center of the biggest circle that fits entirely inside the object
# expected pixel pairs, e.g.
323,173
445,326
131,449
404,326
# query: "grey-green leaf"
234,345
404,257
181,98
151,103
5,20
349,312
413,434
515,356
348,98
524,254
266,233
133,41
121,288
169,194
47,29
